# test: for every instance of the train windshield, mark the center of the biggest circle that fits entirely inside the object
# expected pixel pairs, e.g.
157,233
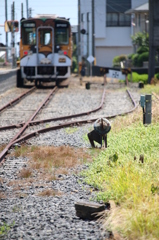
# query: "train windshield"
45,36
62,36
28,34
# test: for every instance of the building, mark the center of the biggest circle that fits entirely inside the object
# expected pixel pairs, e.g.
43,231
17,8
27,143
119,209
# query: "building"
140,18
106,27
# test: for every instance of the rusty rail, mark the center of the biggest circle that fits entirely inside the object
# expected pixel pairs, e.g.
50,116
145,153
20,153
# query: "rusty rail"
57,118
3,153
16,99
73,123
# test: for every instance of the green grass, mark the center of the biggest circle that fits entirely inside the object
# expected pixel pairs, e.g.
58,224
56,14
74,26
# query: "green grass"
138,77
4,228
71,130
149,89
131,186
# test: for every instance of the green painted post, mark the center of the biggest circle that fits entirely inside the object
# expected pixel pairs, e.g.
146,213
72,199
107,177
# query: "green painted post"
148,106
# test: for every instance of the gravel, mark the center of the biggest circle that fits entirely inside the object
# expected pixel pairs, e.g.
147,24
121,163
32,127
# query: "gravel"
31,216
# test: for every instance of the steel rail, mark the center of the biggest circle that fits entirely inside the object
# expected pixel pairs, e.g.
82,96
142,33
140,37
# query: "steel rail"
74,123
4,152
16,99
57,118
44,130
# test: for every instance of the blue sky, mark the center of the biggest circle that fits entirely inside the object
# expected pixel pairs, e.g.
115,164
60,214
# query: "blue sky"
62,8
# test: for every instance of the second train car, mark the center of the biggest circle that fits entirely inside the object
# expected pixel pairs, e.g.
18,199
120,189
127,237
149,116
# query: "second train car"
45,50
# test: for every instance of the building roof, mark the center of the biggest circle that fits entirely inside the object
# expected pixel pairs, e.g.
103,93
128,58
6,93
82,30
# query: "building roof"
140,9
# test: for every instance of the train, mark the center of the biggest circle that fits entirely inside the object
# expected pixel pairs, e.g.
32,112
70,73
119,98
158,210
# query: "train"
45,50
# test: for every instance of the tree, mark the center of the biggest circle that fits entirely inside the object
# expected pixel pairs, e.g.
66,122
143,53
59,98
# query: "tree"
140,39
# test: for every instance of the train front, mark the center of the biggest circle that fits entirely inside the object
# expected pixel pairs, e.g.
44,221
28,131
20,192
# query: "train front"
45,49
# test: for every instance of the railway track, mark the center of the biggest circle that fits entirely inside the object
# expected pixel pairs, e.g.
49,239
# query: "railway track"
54,217
17,99
24,125
13,140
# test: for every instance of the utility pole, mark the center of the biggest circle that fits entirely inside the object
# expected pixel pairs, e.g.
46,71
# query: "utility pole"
6,18
151,41
13,35
27,9
93,33
79,38
22,10
30,12
153,35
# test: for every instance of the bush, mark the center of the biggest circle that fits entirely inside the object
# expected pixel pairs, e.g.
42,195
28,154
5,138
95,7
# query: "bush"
74,64
157,76
130,56
142,49
1,60
118,59
141,58
138,77
135,59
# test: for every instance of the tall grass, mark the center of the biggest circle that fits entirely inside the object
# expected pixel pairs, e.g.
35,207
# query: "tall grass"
132,187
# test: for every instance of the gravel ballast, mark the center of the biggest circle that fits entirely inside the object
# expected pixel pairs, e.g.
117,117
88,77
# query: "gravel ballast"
31,216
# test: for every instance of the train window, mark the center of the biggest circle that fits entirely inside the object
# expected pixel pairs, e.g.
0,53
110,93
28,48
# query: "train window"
61,36
28,36
45,37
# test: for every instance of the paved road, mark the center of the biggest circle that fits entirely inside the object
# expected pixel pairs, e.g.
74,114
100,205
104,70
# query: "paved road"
7,79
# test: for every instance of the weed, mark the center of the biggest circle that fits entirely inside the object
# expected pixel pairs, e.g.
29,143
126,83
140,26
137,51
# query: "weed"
1,180
130,186
25,173
47,163
4,228
148,89
71,130
48,193
20,151
2,195
16,208
2,147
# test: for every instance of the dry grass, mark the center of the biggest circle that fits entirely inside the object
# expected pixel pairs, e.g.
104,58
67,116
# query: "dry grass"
2,147
49,158
25,173
1,180
21,151
2,195
47,163
48,193
136,117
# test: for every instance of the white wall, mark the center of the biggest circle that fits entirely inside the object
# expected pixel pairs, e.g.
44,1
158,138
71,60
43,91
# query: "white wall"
100,18
137,3
115,36
105,55
109,41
